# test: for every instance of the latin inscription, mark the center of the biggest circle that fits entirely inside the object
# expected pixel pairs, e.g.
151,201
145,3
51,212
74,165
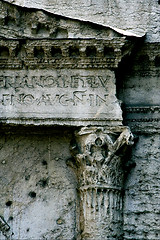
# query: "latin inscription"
58,94
64,98
52,82
73,99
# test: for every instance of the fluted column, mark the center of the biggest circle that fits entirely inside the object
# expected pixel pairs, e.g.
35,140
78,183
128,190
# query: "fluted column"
99,157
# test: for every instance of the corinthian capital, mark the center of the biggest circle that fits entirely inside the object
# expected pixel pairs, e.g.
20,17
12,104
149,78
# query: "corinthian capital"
100,155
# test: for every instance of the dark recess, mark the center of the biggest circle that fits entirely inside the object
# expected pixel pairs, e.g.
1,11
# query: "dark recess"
32,194
9,203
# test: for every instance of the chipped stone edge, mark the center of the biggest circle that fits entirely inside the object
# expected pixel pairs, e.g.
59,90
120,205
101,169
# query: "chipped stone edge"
121,31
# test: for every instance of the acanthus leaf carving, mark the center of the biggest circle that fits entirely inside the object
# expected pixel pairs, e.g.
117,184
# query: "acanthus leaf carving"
99,157
100,153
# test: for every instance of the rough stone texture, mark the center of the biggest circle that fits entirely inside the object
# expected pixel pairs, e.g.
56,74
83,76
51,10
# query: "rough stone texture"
139,83
142,200
125,16
18,22
139,90
38,197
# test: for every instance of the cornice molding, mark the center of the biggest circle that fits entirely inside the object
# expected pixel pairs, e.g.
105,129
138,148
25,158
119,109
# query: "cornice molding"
63,53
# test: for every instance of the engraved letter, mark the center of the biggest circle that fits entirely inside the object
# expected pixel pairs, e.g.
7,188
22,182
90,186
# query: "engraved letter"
92,81
26,99
100,100
63,100
9,82
46,99
6,99
75,82
26,82
78,97
103,81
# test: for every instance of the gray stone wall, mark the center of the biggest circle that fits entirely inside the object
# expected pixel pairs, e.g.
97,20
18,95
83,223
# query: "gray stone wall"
38,178
139,90
38,189
142,200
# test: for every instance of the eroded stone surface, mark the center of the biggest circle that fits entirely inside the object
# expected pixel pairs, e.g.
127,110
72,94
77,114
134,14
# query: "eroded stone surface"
38,196
59,96
70,82
133,18
139,90
18,22
99,158
142,202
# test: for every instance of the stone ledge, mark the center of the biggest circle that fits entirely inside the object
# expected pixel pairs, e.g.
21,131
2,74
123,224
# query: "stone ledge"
143,118
60,121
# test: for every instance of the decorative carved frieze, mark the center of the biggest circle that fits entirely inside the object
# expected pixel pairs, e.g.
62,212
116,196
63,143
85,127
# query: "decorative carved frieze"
99,154
62,53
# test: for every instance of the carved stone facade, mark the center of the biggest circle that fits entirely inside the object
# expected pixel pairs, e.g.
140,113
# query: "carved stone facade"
70,91
71,74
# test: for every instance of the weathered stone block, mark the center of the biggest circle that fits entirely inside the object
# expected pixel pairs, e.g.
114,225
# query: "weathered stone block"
66,96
